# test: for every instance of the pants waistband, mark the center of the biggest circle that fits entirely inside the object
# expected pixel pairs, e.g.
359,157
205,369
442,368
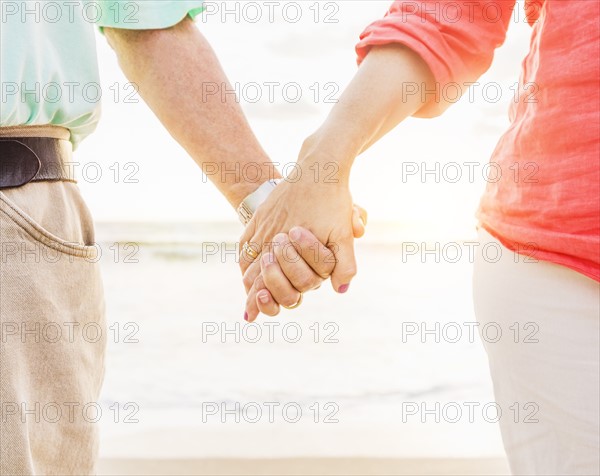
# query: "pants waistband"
49,131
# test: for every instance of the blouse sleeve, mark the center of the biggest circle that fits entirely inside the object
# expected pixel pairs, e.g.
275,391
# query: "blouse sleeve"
456,39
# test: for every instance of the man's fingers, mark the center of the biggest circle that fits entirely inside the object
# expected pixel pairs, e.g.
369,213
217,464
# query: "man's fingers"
345,268
276,282
251,312
259,299
320,258
359,221
266,304
251,274
298,272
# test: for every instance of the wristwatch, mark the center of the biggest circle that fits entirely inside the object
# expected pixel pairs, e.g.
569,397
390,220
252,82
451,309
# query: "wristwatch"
255,199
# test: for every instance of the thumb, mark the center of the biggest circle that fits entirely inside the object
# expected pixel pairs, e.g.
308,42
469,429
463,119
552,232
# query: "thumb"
359,221
345,268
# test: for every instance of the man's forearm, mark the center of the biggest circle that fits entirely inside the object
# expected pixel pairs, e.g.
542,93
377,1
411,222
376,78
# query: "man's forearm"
373,104
173,69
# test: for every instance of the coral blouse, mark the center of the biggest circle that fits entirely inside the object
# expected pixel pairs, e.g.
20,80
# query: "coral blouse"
547,200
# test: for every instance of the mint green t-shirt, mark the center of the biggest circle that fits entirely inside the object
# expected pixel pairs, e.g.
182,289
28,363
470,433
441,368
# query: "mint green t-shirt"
48,64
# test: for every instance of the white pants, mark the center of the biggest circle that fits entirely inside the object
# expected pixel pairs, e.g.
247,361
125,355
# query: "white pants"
545,366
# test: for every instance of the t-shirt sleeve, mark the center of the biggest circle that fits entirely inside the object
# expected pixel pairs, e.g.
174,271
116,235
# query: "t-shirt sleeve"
456,39
142,14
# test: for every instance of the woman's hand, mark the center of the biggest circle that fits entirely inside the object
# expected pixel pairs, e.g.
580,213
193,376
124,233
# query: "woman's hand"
298,263
323,207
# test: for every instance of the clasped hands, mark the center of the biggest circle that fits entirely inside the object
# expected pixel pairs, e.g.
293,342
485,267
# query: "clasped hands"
300,236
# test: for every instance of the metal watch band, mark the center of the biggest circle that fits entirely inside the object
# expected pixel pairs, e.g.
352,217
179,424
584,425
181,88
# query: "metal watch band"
255,199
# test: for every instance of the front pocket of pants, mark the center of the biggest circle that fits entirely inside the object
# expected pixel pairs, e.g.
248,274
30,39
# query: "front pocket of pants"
41,235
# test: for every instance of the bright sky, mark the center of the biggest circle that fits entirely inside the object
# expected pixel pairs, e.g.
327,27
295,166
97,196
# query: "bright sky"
171,187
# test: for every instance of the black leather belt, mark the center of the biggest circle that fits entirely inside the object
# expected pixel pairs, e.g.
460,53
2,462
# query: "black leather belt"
34,159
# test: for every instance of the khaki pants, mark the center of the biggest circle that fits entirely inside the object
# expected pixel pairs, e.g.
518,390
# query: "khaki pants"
545,365
52,331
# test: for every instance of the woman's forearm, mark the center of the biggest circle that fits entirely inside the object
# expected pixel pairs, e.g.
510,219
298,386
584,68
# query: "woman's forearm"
374,103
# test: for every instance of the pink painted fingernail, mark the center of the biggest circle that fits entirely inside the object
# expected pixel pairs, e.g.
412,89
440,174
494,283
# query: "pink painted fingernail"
245,316
343,288
263,297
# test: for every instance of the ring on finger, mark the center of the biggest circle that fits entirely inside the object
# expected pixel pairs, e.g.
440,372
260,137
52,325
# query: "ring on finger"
294,306
251,252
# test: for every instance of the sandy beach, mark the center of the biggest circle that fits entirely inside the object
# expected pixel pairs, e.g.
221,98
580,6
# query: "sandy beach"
305,466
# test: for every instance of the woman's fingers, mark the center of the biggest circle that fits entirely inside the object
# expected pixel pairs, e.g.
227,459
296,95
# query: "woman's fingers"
345,268
364,216
300,275
252,272
359,221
